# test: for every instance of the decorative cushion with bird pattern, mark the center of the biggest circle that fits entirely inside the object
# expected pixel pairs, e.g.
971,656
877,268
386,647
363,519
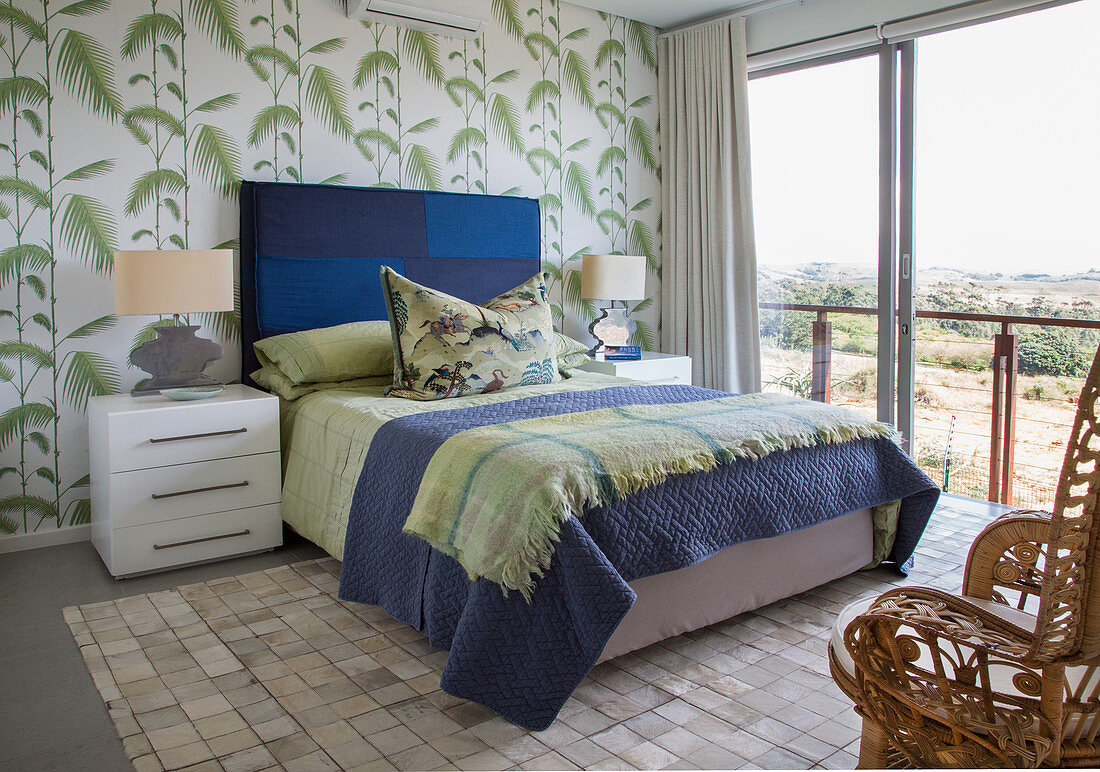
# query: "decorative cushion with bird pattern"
447,347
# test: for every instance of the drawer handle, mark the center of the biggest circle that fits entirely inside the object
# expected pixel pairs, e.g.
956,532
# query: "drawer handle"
241,484
245,532
155,440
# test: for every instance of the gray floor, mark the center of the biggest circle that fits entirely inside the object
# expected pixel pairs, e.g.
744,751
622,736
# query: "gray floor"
51,716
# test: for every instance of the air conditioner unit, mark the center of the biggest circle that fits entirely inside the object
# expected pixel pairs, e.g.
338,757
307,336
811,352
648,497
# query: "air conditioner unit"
436,16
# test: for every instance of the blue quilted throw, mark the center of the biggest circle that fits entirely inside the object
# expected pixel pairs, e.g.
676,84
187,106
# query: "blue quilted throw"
523,659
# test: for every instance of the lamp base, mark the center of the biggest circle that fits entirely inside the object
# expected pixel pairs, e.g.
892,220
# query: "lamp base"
176,358
613,327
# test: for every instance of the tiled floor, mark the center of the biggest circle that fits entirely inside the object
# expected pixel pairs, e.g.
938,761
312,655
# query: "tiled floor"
753,691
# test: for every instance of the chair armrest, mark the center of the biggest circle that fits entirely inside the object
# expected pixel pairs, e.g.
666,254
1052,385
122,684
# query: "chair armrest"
1007,554
922,672
941,615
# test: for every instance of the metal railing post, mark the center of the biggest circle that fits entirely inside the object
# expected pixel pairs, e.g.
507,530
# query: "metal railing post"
1002,436
822,373
1010,351
996,429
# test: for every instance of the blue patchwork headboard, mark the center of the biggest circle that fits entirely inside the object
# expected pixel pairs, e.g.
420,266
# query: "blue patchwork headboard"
310,254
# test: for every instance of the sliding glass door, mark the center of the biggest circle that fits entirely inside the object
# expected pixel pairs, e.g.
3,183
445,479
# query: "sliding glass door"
1007,163
925,240
815,162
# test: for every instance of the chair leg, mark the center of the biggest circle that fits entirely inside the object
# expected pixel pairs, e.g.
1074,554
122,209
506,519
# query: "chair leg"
873,746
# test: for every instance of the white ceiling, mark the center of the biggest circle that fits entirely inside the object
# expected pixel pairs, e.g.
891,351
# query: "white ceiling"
665,13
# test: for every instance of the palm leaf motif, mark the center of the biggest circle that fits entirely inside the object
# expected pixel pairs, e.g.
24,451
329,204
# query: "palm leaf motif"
268,122
88,375
372,66
21,418
94,327
20,259
217,161
328,101
643,41
77,224
24,22
218,19
578,184
423,49
152,186
85,7
463,142
80,512
84,66
88,229
294,84
25,191
389,138
642,243
41,507
19,89
562,69
504,119
641,142
146,28
280,61
577,77
506,12
422,170
153,116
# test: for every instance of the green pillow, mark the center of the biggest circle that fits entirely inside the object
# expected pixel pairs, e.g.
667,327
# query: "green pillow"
564,346
447,347
570,361
340,353
277,383
568,352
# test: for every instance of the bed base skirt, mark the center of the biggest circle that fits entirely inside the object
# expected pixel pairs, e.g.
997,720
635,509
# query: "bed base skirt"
741,578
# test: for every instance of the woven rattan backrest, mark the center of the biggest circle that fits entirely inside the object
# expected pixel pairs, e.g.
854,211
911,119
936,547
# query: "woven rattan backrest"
1069,607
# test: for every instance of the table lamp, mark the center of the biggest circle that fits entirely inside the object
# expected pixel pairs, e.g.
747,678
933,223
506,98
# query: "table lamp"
174,282
612,277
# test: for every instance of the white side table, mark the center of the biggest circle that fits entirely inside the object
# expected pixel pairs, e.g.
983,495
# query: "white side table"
177,483
653,367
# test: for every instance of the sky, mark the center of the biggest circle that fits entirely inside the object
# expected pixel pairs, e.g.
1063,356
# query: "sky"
1007,151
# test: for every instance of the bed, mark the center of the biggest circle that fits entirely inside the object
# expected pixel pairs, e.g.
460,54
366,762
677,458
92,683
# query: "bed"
310,257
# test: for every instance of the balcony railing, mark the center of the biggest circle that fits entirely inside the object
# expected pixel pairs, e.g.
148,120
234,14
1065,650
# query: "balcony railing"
1002,386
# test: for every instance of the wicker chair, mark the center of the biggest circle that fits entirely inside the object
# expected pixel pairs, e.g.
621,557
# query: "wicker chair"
1008,673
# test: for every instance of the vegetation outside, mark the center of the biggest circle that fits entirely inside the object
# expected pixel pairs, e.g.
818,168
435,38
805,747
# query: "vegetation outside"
954,379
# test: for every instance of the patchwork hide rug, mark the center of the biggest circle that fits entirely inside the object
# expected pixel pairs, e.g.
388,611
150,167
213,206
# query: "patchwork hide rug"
271,670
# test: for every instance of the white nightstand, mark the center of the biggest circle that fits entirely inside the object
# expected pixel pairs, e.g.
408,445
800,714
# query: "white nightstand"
176,483
654,367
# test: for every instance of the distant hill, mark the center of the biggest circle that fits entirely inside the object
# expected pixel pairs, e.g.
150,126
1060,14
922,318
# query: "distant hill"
860,273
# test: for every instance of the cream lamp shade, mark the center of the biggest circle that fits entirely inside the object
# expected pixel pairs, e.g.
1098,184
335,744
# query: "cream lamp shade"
613,277
173,282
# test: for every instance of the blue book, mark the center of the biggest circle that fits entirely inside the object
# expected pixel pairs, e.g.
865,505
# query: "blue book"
622,353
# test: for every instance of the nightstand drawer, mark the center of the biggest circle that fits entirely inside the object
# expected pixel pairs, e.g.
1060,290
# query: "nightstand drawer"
166,493
181,434
195,539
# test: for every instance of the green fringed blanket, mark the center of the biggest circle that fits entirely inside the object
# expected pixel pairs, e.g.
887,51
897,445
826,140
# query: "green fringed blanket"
494,497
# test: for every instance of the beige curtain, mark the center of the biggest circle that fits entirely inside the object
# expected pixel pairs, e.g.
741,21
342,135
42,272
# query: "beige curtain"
708,275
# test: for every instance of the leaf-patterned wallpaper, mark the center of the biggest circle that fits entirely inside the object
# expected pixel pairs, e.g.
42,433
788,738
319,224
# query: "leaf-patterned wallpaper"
128,124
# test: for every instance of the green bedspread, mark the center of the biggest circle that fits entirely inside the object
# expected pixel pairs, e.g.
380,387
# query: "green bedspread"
326,436
494,497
